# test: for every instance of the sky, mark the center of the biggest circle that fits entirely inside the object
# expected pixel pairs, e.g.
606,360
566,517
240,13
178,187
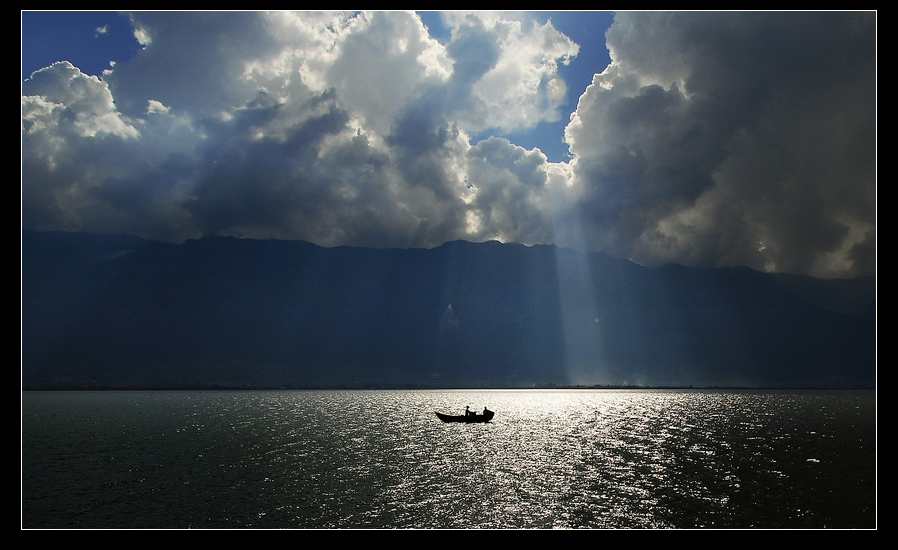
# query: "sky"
706,139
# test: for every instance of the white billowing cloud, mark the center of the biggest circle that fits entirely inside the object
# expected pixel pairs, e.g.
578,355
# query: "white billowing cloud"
733,139
509,193
384,62
700,144
518,85
63,98
154,106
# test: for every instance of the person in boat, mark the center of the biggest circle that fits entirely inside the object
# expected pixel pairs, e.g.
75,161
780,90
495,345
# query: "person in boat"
468,411
485,411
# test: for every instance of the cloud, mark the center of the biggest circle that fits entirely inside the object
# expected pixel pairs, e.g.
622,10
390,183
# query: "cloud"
509,195
512,66
732,139
62,99
73,137
711,139
336,128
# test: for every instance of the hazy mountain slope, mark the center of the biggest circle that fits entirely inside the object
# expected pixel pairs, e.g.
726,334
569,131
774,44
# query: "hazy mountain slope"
122,311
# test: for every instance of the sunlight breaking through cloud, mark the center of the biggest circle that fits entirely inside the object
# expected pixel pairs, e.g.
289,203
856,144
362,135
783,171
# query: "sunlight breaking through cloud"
697,142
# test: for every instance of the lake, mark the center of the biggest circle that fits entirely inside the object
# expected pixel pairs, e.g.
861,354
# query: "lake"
550,459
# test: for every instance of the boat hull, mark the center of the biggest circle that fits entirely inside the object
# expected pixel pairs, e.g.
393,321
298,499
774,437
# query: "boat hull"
469,419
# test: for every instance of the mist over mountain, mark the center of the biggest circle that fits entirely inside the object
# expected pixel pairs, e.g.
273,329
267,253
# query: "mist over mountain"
120,311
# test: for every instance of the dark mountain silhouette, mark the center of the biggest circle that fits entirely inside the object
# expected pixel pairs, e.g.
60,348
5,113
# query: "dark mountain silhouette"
120,311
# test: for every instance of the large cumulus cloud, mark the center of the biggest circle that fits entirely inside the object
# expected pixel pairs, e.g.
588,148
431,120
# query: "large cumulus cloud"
333,127
733,139
711,139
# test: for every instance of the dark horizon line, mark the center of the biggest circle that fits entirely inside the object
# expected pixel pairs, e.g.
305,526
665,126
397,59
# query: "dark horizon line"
348,387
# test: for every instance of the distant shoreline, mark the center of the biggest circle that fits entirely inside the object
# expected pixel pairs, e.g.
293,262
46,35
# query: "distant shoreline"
419,387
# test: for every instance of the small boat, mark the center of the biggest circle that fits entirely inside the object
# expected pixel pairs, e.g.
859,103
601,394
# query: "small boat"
469,418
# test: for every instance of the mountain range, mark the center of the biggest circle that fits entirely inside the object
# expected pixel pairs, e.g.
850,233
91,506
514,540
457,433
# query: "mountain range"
116,311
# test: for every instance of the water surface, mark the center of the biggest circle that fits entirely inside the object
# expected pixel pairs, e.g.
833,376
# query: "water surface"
381,459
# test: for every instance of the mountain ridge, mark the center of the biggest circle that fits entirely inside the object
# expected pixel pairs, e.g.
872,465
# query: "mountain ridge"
116,311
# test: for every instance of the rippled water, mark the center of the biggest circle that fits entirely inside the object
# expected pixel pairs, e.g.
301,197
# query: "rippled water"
381,459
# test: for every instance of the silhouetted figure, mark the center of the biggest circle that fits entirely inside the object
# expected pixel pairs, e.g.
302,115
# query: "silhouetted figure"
468,411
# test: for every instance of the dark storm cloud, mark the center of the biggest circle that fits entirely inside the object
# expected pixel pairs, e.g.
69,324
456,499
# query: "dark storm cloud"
258,184
732,139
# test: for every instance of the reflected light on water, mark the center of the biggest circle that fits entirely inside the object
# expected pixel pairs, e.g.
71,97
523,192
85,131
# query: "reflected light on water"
549,459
